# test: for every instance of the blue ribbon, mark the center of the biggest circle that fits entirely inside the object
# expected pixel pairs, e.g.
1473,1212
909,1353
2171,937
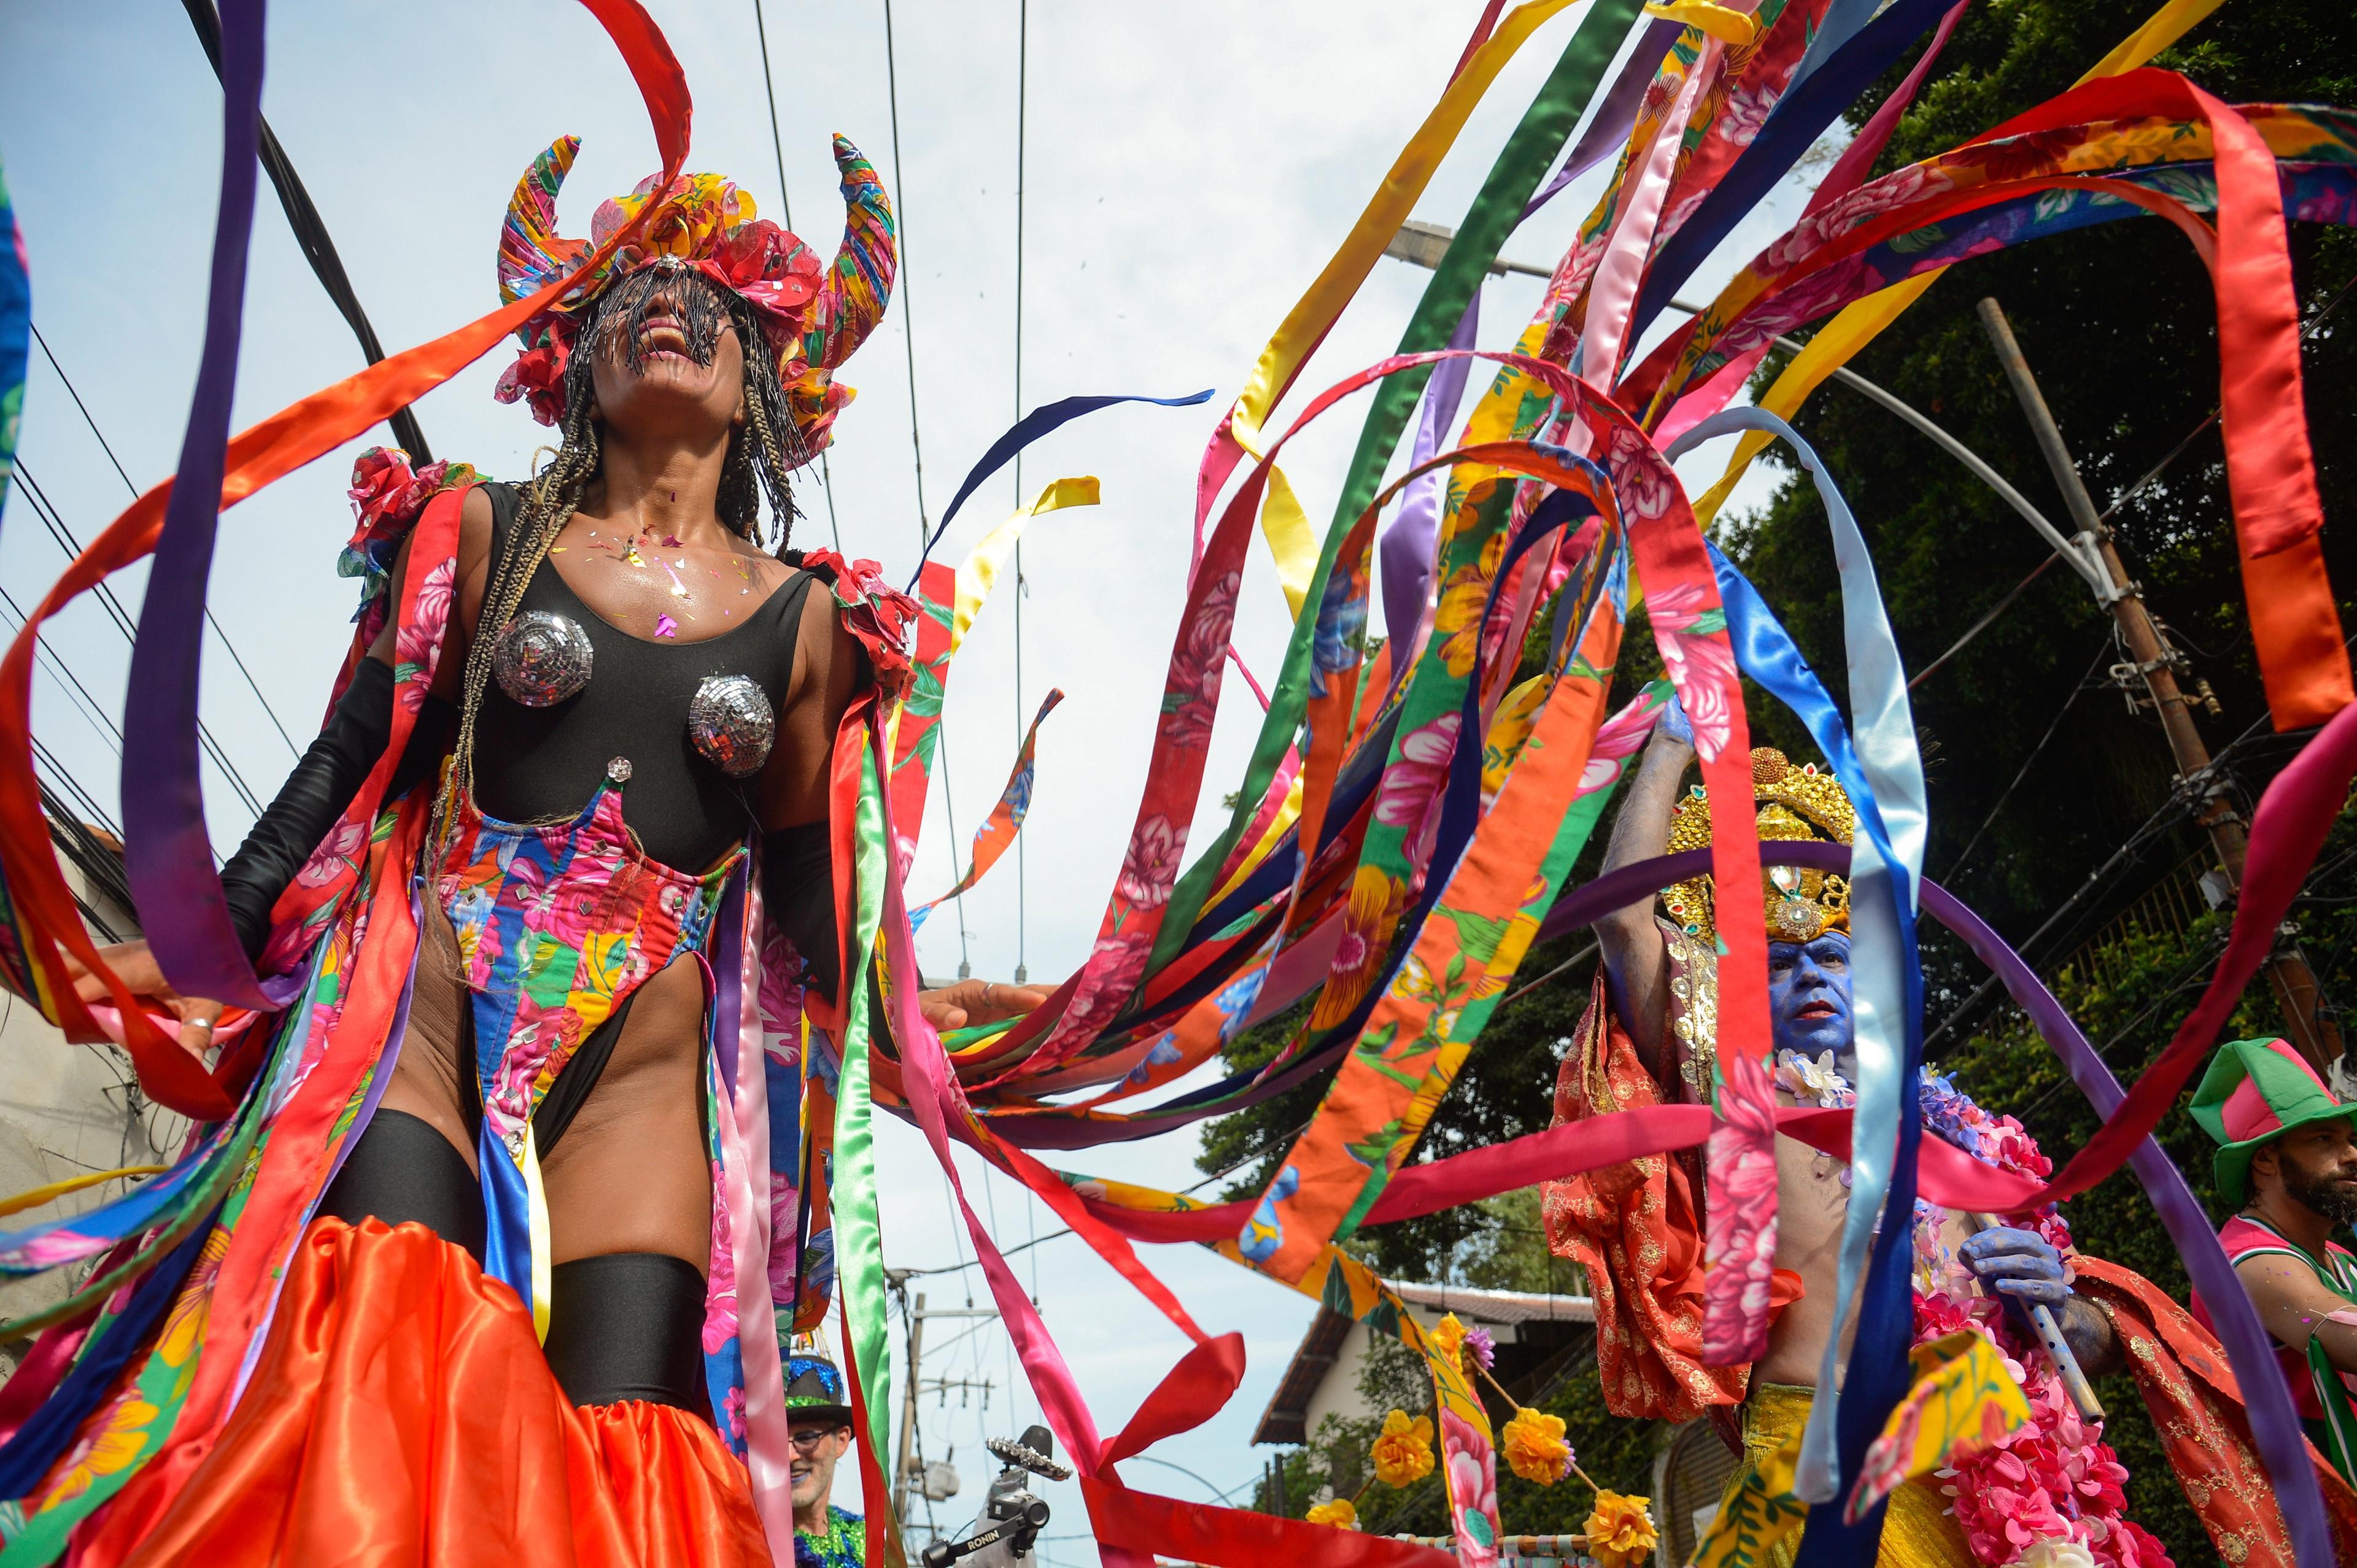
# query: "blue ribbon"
1883,777
15,335
1025,431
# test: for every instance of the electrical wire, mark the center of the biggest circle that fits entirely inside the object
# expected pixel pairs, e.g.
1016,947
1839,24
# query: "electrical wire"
1220,1174
227,646
1022,125
908,302
2182,802
786,211
67,541
2085,683
1985,621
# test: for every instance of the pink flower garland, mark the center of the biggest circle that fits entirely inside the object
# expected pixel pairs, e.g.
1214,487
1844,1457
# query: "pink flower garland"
2055,1480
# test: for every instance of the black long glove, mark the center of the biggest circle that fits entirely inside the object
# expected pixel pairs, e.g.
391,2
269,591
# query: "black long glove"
315,794
798,892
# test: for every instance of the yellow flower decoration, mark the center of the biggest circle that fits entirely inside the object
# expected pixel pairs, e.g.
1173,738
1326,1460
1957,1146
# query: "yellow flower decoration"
1535,1448
109,1444
1451,1338
1621,1531
1404,1453
1341,1513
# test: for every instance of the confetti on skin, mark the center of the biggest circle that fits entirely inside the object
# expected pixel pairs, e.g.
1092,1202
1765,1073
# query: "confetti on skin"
666,626
670,542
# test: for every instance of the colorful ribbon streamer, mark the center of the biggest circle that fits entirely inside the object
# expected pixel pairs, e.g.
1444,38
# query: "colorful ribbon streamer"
1005,820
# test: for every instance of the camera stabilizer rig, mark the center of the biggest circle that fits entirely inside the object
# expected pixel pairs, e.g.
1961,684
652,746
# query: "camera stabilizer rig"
1011,1517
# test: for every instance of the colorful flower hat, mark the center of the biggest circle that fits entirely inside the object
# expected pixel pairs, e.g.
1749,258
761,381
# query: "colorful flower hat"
2254,1093
815,315
1805,802
815,1389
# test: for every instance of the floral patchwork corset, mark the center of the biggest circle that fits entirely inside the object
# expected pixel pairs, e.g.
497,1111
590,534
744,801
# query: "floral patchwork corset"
556,925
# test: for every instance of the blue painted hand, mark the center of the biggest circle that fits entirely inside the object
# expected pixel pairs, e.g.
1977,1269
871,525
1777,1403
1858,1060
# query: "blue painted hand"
1674,723
2019,1266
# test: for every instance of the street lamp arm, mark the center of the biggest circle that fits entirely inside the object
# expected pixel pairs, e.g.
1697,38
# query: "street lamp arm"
2069,549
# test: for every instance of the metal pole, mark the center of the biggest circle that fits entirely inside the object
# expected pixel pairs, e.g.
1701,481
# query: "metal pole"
2288,975
904,1479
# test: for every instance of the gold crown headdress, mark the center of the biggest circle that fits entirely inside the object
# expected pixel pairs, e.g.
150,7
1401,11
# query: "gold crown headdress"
1793,803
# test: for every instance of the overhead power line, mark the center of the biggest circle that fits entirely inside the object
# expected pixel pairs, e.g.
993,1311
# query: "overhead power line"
786,211
72,545
311,234
1022,125
908,297
219,630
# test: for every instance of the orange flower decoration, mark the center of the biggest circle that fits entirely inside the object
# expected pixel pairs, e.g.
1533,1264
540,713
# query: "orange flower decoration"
1449,1337
1404,1453
1340,1512
1621,1531
1535,1447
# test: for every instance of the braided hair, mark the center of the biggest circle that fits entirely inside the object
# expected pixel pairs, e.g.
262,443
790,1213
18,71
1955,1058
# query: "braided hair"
762,455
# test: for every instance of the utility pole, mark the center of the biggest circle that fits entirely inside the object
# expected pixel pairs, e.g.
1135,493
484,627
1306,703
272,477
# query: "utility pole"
907,1478
2312,1029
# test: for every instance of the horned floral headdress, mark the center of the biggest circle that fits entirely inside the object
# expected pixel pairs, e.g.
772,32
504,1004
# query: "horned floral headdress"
815,315
1801,802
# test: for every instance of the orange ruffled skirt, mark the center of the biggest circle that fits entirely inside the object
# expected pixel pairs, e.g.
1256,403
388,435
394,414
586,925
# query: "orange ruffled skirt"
401,1412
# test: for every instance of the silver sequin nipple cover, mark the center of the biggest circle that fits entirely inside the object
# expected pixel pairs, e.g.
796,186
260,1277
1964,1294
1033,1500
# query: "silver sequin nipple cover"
731,723
540,659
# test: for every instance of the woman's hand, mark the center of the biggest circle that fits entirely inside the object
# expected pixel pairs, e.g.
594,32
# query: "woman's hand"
973,1002
135,964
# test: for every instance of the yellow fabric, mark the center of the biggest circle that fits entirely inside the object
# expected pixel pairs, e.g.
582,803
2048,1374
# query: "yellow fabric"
1917,1532
978,573
1288,814
1282,524
536,1222
1728,27
1861,321
1963,1399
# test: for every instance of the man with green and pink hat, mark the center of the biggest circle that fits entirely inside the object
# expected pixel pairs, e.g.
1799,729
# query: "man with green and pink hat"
2288,1159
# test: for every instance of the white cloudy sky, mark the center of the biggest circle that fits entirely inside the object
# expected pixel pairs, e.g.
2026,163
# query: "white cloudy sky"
1189,170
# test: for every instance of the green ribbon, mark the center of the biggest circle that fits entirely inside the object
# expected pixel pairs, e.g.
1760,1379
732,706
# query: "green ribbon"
858,1235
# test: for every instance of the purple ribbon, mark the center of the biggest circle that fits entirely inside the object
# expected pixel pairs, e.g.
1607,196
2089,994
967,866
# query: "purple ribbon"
168,854
2250,1349
1406,547
1608,128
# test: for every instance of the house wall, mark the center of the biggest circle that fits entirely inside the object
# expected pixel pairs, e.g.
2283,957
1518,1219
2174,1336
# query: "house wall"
1337,1392
67,1109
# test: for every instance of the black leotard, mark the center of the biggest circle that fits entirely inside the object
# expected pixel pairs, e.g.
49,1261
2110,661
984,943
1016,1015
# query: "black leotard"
542,764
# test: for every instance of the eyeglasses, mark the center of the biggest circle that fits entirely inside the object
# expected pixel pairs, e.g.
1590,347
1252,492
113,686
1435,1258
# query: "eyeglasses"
809,1438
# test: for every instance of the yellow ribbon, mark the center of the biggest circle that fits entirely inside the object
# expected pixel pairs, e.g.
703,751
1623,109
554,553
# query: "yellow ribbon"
536,1218
978,573
1728,27
1863,320
35,1196
1287,528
